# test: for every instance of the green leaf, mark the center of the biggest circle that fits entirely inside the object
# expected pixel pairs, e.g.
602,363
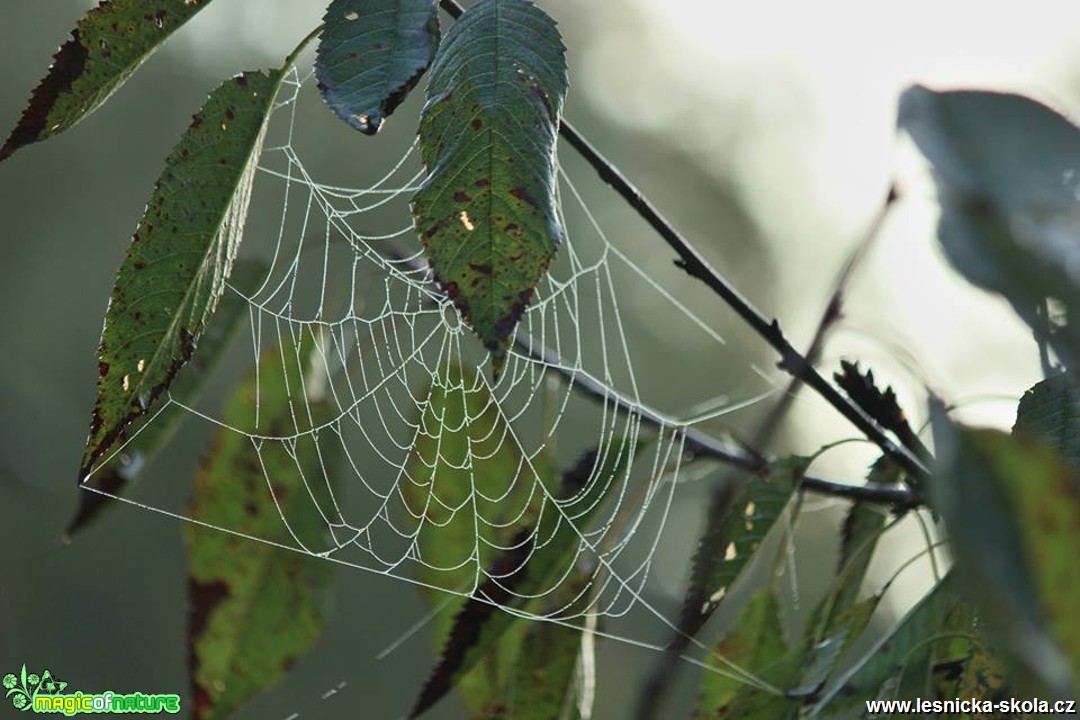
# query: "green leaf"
469,488
486,211
255,608
1018,552
878,671
180,257
150,434
754,643
840,618
859,537
536,564
371,55
469,492
732,536
106,47
1007,175
831,633
1050,411
543,676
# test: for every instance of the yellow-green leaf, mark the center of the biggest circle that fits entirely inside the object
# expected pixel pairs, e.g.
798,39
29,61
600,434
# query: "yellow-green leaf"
538,564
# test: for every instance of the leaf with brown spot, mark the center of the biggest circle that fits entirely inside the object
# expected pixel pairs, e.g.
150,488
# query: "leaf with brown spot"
106,47
149,435
180,258
255,608
487,137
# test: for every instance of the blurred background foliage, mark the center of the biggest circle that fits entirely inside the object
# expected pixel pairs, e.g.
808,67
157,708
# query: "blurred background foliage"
766,133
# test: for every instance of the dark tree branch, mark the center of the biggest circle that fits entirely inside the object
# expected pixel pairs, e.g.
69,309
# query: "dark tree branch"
690,260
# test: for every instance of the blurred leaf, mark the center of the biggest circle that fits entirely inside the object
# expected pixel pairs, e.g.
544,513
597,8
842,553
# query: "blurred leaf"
544,673
840,618
983,677
732,536
1018,552
106,47
150,434
1007,174
180,257
534,566
371,55
862,528
755,643
255,608
463,466
878,672
831,633
486,212
1050,411
469,488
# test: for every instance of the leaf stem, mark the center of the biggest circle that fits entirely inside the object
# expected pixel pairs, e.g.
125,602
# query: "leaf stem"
292,57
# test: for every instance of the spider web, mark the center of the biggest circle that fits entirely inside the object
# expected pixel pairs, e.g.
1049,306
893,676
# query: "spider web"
354,305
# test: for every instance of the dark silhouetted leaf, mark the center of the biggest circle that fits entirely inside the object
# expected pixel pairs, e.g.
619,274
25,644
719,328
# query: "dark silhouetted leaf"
371,54
732,537
1007,176
881,405
180,257
148,437
486,212
877,673
106,47
1018,552
255,608
539,560
1050,411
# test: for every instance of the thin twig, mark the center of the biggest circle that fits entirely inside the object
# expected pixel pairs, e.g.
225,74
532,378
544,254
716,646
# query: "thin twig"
829,317
699,445
654,693
698,267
